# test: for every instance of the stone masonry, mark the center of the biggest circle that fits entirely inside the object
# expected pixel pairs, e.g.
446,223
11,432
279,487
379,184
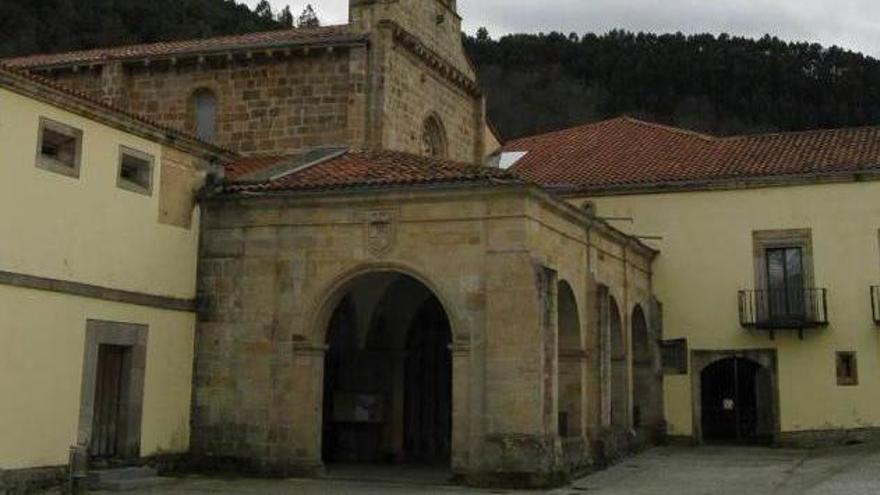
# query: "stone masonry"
272,270
405,63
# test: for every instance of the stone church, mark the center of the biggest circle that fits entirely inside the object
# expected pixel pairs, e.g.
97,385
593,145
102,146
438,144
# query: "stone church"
371,278
368,290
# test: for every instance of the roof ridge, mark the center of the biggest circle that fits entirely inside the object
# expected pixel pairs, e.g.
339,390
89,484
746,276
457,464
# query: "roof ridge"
586,125
170,43
619,118
669,128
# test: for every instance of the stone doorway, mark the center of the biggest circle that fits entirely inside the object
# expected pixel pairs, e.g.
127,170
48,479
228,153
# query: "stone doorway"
737,399
388,375
111,388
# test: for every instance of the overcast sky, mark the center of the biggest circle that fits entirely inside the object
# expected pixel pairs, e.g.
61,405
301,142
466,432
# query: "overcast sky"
853,24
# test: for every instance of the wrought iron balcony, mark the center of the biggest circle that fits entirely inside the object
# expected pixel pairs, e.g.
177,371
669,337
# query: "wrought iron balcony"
783,309
875,303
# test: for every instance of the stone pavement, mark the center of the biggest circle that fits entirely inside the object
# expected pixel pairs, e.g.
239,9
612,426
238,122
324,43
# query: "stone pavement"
662,471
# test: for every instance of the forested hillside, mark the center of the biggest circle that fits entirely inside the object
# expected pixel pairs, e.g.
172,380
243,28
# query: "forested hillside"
722,84
43,26
535,83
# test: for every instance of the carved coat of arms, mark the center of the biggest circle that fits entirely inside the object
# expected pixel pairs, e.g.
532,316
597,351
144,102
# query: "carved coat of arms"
381,233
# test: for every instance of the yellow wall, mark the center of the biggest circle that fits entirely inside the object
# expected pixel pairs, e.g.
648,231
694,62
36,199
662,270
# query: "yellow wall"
707,256
84,230
56,226
41,360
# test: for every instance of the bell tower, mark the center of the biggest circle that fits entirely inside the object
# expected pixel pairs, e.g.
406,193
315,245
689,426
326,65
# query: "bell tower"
435,22
425,98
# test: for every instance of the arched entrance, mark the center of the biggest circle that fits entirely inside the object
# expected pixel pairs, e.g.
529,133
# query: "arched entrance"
736,405
387,374
619,380
571,361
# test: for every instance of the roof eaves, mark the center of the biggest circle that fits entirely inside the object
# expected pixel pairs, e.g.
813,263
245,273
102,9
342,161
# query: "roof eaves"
727,183
96,58
263,189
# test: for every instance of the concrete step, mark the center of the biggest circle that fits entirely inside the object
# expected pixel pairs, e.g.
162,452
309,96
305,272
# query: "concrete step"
124,479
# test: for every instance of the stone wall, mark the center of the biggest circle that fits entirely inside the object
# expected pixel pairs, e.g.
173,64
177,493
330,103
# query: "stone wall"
435,22
371,95
272,270
266,104
413,93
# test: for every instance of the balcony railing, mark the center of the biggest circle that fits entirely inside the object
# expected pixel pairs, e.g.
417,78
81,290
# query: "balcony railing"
875,303
783,309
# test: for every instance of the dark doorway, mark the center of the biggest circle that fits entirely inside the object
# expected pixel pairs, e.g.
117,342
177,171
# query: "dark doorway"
388,375
736,402
109,419
428,394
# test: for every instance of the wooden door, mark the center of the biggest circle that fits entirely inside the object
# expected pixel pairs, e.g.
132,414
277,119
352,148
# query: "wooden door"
108,422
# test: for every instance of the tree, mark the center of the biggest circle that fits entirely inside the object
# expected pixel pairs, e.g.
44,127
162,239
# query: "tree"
264,10
717,84
42,26
483,35
308,18
285,17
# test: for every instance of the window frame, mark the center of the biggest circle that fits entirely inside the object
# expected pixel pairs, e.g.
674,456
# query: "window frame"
765,240
128,185
791,306
50,164
853,379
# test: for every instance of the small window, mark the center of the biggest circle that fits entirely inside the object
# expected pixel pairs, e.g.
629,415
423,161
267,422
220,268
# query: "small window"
205,114
674,356
847,369
59,147
135,171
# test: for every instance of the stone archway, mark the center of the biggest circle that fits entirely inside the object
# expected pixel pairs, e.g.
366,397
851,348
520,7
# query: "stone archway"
571,364
387,384
619,376
735,396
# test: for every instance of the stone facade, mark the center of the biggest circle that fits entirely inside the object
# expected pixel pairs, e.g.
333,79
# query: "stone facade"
273,270
375,93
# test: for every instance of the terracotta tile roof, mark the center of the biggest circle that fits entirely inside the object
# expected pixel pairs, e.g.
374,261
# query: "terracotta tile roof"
359,169
625,152
285,37
34,86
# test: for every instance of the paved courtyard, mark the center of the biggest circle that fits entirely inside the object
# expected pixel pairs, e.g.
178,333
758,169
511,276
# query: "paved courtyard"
672,470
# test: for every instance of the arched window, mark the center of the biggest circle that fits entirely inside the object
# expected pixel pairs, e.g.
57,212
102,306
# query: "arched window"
433,138
204,105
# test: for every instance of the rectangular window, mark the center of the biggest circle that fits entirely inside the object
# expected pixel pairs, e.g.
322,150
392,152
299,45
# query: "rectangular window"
59,147
785,292
674,356
847,369
135,171
785,282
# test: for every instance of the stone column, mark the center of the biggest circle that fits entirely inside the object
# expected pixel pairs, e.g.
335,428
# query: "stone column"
461,408
302,400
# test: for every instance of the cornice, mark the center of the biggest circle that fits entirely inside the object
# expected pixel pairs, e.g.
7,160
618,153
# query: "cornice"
432,59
